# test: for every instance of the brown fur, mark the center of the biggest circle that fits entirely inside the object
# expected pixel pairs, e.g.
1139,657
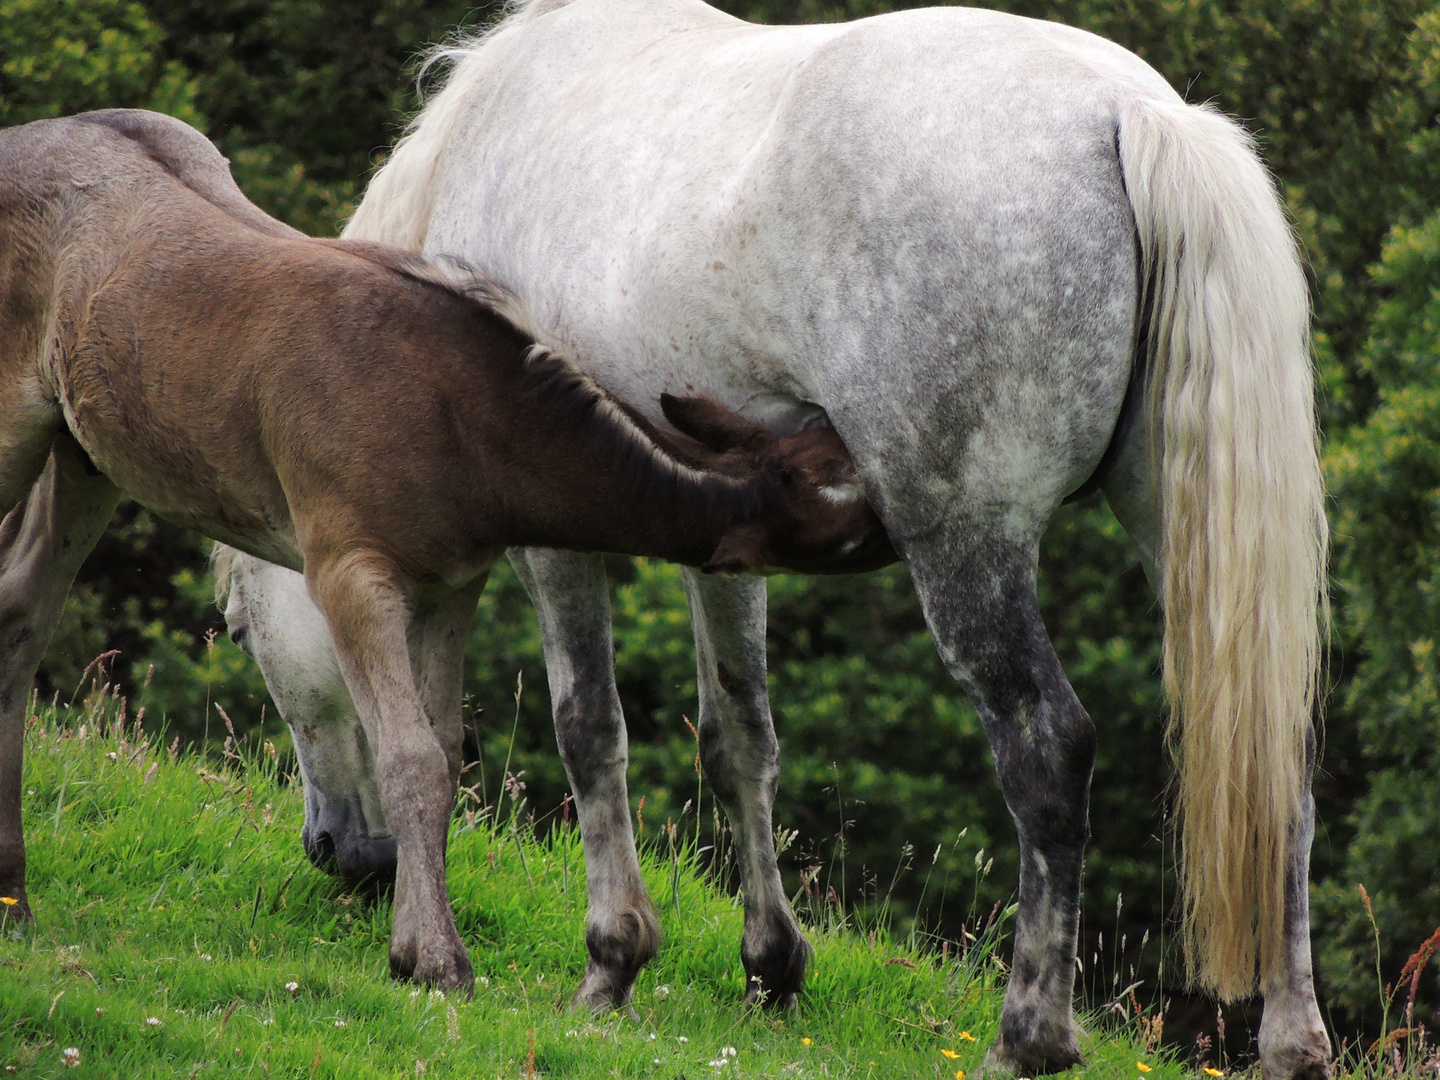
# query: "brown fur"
340,408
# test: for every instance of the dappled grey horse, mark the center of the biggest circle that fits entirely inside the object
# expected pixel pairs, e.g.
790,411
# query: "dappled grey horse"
1007,263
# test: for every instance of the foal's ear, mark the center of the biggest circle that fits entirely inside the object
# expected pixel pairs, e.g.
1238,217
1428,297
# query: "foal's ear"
706,420
741,551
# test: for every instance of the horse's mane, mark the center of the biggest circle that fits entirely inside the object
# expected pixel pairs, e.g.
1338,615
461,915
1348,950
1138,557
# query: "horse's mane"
397,202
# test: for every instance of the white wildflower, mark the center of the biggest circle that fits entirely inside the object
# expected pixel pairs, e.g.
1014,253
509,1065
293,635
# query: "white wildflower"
71,1056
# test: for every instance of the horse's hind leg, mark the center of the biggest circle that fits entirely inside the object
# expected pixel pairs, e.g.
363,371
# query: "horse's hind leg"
43,541
977,588
1293,1041
572,597
742,762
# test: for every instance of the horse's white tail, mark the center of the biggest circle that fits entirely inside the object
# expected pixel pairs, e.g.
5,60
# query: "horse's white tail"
1243,519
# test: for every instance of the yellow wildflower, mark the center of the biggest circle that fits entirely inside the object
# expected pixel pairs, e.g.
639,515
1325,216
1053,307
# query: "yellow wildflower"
1142,1066
959,1074
1212,1072
967,1036
807,1041
8,901
951,1054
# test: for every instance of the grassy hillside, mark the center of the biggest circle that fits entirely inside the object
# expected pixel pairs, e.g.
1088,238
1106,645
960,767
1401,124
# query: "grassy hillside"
181,932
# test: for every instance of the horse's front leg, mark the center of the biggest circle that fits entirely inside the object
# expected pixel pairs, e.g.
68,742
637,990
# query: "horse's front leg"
43,541
741,758
978,594
373,621
572,598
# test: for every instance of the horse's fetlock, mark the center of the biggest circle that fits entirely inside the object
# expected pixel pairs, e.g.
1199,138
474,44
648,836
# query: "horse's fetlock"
627,943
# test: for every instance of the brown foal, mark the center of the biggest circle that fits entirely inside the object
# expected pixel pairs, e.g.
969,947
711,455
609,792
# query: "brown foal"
344,410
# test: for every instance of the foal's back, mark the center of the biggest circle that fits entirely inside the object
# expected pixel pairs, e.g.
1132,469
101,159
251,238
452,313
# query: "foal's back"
212,361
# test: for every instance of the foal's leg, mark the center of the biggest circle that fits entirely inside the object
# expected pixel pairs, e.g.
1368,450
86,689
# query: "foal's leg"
977,588
742,762
373,622
572,598
43,541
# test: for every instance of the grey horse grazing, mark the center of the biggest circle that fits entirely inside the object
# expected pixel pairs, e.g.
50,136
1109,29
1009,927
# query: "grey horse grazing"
1006,260
340,408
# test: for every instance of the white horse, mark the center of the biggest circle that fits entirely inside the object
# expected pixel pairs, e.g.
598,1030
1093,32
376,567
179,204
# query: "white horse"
1007,262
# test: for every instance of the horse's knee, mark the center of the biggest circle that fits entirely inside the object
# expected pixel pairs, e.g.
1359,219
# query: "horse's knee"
1044,760
589,732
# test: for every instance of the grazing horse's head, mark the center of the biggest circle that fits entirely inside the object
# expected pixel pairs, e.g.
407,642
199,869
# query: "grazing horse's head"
819,522
345,830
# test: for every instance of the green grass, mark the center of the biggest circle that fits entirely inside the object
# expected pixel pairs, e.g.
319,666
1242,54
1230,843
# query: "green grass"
175,890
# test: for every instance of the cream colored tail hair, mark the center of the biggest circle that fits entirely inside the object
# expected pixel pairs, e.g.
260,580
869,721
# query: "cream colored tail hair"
1243,520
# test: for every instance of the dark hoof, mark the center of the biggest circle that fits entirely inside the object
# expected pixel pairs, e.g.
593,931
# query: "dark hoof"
617,953
445,967
775,964
604,991
760,997
1005,1061
15,909
1306,1062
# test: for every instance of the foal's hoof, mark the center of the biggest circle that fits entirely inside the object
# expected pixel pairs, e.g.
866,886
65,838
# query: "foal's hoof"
760,997
15,909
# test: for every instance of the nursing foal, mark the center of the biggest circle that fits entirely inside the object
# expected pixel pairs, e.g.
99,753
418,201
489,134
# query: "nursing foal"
335,407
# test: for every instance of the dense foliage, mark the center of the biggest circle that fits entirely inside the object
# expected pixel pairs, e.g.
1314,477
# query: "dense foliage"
884,762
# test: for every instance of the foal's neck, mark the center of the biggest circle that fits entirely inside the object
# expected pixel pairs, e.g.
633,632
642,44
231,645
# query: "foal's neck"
586,473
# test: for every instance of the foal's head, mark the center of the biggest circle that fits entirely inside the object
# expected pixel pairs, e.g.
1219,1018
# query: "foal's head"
819,521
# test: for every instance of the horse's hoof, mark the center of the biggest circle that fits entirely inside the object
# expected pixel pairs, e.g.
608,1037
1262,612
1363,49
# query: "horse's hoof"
604,990
15,908
1002,1061
1307,1061
775,964
763,999
445,968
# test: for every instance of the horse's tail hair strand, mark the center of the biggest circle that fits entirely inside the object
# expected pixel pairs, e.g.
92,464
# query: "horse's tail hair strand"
1244,538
